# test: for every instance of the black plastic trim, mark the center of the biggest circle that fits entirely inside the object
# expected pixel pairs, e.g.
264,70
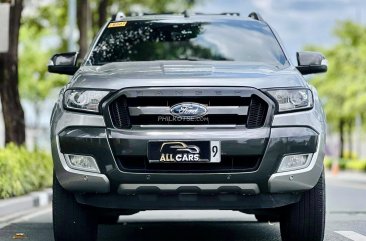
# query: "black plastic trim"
227,201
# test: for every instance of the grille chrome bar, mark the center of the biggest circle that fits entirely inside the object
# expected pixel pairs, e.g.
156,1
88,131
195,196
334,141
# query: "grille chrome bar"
189,126
211,110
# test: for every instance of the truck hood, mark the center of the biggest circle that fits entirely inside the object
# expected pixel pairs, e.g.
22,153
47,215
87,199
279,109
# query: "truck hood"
117,76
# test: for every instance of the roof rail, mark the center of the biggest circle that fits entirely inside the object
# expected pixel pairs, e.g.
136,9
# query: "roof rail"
256,16
226,13
119,16
151,13
231,14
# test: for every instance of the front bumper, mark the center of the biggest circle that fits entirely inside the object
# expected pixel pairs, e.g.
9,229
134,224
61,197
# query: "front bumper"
76,133
281,141
243,191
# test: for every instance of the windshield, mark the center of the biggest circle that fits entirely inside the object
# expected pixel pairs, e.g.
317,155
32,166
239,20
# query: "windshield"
234,40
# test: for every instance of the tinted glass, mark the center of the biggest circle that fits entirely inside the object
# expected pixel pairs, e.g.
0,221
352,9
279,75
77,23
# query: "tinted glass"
234,40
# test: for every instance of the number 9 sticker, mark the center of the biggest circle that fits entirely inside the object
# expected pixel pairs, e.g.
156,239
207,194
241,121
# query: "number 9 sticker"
215,152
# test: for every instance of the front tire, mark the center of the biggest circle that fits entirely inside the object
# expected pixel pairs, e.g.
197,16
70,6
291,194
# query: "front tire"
305,220
71,220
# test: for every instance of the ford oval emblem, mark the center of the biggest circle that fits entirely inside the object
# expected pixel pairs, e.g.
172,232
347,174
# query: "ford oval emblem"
188,110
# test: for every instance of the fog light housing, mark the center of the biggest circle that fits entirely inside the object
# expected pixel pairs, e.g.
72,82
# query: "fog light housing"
295,162
82,163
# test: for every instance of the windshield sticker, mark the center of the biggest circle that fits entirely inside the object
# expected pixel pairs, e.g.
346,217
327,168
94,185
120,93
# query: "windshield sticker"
117,24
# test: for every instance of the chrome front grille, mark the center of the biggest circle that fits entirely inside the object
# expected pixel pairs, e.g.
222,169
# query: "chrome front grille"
152,107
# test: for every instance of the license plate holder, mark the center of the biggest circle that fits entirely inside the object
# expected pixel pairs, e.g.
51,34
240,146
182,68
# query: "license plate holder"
184,152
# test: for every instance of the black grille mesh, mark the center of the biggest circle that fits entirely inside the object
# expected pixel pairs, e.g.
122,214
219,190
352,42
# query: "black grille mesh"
119,113
257,112
228,164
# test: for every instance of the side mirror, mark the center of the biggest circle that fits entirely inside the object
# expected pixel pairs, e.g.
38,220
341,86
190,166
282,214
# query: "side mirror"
64,63
311,63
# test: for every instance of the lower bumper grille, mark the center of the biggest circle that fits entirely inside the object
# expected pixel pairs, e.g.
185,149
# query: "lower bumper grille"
228,164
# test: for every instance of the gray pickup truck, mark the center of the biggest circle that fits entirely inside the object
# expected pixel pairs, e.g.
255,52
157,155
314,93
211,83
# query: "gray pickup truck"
188,111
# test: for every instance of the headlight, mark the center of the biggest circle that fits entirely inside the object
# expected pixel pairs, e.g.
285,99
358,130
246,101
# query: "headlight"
292,99
85,100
